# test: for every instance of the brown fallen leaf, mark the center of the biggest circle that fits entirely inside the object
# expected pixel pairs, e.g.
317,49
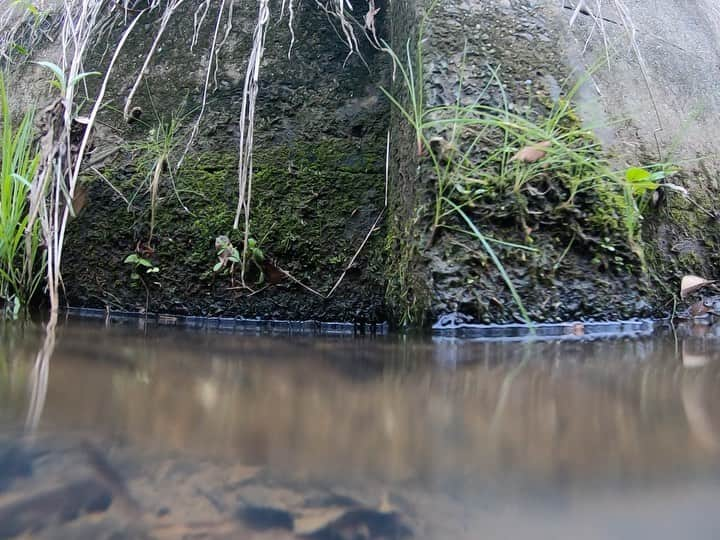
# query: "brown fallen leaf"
691,284
532,153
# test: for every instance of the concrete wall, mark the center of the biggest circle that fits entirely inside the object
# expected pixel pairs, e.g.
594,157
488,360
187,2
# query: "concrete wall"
318,169
650,94
664,58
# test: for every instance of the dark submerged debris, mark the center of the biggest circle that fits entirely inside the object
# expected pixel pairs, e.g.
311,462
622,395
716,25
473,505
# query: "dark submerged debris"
15,463
57,505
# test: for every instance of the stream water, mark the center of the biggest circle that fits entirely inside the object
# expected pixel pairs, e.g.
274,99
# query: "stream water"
159,432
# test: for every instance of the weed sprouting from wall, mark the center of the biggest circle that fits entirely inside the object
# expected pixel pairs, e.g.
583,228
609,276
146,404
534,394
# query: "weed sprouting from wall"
153,156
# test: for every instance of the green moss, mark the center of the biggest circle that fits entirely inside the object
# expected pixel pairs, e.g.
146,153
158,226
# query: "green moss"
312,205
317,238
407,292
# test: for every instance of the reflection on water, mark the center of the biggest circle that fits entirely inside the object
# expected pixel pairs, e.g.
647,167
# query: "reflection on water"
189,434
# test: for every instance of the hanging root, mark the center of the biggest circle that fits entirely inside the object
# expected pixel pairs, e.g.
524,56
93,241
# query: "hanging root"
247,116
369,25
167,15
291,22
335,9
212,60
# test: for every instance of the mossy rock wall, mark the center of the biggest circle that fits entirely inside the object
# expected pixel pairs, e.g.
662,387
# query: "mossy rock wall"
318,183
586,261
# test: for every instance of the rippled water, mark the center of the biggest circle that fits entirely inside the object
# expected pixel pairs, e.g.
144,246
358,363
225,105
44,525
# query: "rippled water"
157,432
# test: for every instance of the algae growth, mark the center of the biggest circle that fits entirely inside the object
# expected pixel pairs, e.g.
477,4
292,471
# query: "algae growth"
313,203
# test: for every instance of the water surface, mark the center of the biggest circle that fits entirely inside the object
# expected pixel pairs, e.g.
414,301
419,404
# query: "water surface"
157,432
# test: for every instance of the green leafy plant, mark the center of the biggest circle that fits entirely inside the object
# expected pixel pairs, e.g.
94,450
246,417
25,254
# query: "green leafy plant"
228,256
140,264
21,258
256,254
141,268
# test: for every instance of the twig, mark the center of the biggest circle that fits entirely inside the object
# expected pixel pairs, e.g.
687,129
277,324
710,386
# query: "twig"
293,278
352,261
254,292
387,168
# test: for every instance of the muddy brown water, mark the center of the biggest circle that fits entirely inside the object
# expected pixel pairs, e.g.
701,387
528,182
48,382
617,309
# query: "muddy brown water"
156,432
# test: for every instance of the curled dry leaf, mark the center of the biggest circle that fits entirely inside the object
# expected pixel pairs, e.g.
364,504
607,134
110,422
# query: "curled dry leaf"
532,153
691,284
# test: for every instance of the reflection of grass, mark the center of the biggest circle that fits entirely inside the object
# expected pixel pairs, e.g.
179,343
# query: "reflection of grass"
14,363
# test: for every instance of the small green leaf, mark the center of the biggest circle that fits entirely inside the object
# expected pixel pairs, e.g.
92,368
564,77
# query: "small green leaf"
640,188
153,270
636,174
77,78
134,275
134,258
217,266
59,74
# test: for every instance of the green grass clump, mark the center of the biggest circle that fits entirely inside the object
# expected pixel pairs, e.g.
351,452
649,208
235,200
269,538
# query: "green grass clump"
21,265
